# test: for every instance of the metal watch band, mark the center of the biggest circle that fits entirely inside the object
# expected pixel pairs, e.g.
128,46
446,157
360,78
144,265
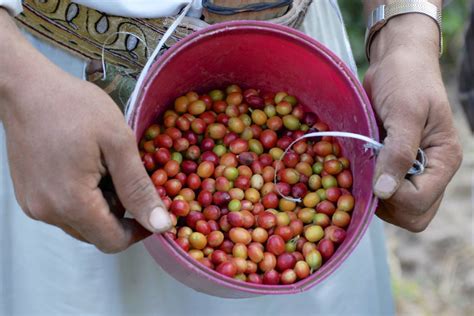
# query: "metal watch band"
14,7
380,16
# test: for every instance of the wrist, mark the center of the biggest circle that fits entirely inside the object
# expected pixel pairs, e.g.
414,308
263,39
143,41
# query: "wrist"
5,56
20,65
409,32
11,42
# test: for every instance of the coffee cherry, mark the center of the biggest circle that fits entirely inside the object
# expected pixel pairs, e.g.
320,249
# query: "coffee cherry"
212,160
197,240
345,203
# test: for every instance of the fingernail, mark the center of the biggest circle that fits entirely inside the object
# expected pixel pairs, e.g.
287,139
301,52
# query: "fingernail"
385,186
160,220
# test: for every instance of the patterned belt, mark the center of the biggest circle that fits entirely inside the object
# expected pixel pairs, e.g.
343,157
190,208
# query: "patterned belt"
86,32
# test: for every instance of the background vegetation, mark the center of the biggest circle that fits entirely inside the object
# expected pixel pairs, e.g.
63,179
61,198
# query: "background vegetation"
454,16
432,272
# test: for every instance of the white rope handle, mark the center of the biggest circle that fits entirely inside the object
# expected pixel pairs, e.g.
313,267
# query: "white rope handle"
417,169
104,67
133,98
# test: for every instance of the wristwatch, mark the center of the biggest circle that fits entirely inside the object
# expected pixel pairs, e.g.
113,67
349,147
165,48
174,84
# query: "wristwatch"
13,7
380,16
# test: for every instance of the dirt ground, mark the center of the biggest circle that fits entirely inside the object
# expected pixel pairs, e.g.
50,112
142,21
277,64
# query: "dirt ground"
433,271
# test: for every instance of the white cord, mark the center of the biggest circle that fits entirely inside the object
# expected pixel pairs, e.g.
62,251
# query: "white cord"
133,98
417,168
104,69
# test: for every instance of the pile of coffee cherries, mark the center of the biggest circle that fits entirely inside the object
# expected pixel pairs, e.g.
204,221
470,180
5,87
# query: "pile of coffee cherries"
213,160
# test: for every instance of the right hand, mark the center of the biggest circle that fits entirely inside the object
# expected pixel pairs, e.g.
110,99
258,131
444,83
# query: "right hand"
406,88
63,136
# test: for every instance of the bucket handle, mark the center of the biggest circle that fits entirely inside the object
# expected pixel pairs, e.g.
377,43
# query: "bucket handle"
418,167
134,97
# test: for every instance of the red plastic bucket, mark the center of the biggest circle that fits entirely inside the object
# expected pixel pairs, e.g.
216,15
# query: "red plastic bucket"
273,58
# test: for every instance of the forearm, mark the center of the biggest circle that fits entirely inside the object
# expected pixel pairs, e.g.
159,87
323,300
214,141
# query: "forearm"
10,54
20,63
10,41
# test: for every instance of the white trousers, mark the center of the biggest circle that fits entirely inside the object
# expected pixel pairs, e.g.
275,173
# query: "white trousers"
45,272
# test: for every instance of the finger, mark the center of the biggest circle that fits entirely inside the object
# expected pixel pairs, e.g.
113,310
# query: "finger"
98,225
133,185
73,233
418,197
399,152
29,214
442,163
411,222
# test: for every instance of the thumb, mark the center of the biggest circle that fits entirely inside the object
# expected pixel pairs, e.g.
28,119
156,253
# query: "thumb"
404,131
133,185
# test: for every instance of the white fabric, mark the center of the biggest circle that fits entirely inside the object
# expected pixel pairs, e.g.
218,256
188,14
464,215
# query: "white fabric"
135,8
13,7
142,8
45,272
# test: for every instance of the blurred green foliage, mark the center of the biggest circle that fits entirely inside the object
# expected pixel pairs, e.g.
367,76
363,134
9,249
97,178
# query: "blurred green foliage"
455,15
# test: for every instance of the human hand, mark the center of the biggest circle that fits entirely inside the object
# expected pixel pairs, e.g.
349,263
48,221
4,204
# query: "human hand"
406,89
63,136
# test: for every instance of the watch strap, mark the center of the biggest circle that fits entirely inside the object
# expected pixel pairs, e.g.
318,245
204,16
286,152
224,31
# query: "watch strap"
380,16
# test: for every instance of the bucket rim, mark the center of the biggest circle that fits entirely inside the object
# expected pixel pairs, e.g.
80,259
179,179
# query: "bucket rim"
330,57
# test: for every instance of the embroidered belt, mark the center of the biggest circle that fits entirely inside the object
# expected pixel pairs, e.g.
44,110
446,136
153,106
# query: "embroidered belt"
86,32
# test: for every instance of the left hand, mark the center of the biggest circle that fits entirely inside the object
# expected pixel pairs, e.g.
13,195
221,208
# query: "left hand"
406,89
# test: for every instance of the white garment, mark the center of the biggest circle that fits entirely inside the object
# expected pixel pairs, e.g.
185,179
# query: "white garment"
135,8
45,272
142,8
13,6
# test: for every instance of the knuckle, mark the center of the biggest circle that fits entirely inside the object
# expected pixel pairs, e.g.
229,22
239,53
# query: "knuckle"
26,209
37,210
40,215
421,206
106,249
73,233
413,219
453,155
418,221
417,225
29,214
412,210
23,202
112,248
